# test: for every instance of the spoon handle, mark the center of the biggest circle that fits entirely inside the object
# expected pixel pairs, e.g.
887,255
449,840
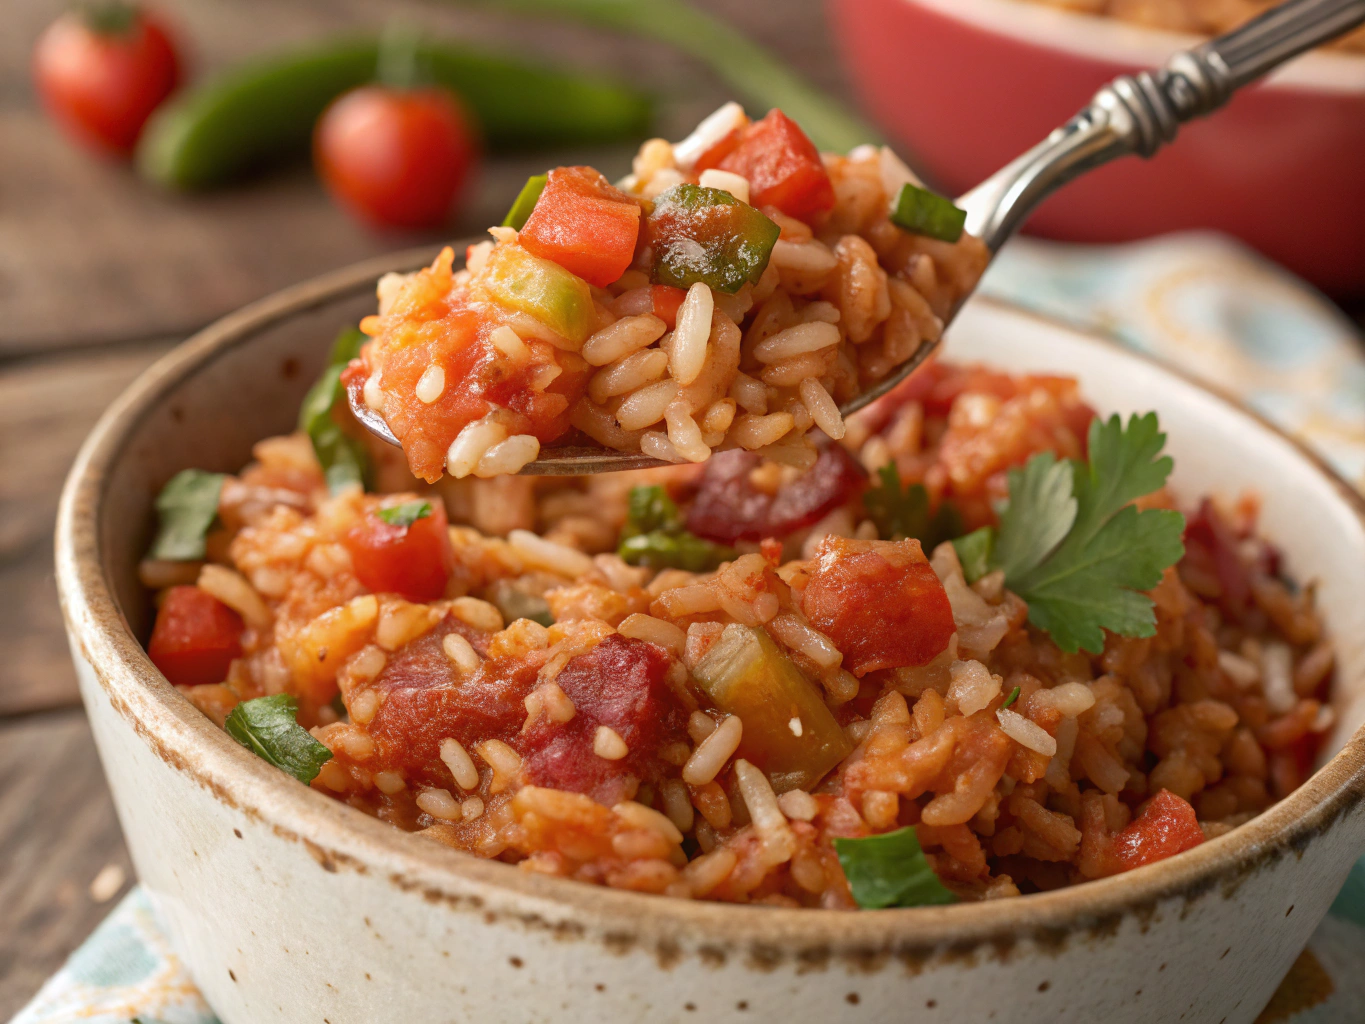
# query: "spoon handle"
1142,112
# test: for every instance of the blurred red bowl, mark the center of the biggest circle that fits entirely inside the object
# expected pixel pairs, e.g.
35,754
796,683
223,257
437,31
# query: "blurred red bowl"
966,85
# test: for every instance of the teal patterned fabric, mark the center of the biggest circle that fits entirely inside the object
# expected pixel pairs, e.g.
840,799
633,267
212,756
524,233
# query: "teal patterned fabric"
1198,301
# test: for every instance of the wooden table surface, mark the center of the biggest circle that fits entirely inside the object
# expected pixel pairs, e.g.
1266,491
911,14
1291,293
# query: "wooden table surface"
100,274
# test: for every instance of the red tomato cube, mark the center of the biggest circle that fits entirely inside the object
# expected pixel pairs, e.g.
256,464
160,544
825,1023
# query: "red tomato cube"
1168,826
666,301
584,224
413,562
783,166
195,638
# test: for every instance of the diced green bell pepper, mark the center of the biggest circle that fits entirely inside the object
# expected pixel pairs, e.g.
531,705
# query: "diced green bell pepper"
557,298
525,202
662,549
789,731
707,235
927,213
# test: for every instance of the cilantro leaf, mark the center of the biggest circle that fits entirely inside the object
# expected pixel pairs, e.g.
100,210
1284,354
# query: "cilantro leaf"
1087,579
344,460
267,726
405,514
654,536
1014,695
186,508
1040,511
890,870
899,512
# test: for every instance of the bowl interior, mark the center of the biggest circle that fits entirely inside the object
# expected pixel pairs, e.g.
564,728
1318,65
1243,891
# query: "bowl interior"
242,380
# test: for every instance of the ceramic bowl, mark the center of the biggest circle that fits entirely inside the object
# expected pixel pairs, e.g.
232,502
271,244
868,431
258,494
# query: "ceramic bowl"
1279,166
290,907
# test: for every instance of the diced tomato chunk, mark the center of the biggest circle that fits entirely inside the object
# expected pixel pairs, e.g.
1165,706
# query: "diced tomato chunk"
783,166
195,638
879,602
1168,826
666,300
621,684
411,561
728,507
584,224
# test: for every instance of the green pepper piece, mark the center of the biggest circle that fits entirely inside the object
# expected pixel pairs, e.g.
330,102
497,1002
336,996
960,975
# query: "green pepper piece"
525,202
789,731
661,549
540,288
927,213
515,603
650,508
262,113
707,235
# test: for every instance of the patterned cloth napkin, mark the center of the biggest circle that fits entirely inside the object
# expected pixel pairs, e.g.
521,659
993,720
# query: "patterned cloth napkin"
1197,301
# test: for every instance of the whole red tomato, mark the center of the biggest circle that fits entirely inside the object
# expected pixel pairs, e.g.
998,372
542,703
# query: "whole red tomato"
102,72
395,157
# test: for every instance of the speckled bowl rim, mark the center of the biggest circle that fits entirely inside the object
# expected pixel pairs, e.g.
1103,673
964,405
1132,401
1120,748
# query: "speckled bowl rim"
343,839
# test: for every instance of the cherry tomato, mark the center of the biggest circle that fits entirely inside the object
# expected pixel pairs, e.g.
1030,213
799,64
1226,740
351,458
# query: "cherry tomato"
410,561
395,157
195,638
101,73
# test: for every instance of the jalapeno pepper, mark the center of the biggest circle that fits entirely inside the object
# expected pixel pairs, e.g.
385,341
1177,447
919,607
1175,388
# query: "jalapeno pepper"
705,234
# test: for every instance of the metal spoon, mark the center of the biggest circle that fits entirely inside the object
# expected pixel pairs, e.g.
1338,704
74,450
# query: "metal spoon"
1132,114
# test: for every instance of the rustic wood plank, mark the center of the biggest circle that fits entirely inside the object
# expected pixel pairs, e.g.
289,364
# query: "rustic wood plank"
57,831
46,408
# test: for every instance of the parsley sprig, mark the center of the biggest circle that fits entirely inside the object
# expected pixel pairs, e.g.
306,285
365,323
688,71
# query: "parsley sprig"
1072,544
267,726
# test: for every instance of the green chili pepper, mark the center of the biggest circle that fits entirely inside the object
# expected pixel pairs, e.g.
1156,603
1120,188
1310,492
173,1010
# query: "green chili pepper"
927,213
707,235
263,112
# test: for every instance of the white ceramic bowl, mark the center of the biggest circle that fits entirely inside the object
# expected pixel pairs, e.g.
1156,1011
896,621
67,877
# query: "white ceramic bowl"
288,906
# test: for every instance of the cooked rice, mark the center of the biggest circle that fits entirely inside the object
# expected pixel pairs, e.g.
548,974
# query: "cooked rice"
1224,706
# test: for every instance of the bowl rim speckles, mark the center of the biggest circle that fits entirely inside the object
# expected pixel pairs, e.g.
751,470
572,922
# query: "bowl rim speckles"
342,839
1106,38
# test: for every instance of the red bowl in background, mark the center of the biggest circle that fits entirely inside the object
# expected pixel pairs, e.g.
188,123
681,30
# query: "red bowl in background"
967,85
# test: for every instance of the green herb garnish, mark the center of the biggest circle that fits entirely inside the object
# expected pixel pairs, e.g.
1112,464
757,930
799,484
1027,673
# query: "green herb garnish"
890,870
525,202
1014,695
904,512
186,508
268,727
1072,544
654,536
927,213
344,459
405,514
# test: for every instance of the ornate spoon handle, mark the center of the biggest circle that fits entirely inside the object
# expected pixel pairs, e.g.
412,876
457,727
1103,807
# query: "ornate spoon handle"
1140,113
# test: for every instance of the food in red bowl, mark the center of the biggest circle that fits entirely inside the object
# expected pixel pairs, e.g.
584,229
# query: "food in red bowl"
1279,167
